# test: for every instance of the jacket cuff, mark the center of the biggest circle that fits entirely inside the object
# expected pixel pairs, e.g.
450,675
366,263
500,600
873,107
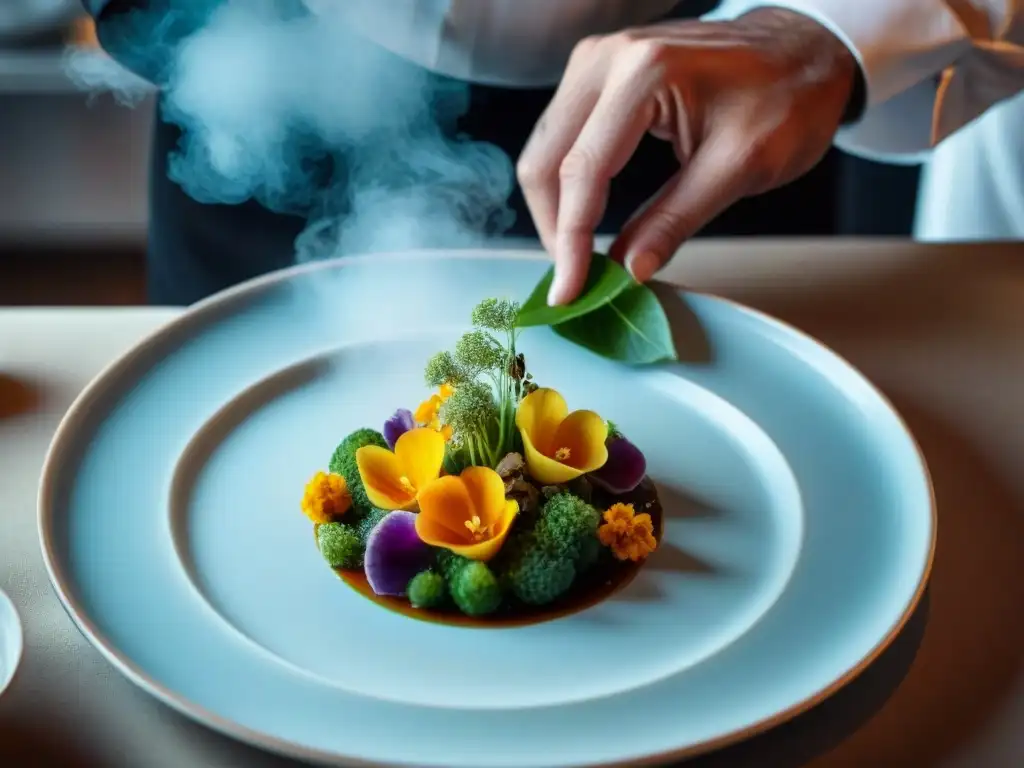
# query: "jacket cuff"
901,48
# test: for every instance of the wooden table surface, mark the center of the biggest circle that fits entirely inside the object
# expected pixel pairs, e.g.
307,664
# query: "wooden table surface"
33,276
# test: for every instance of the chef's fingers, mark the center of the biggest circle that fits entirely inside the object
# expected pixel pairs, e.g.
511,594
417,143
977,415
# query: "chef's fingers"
718,174
554,134
606,142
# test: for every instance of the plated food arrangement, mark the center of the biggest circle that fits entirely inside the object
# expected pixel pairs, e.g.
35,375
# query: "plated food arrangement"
491,500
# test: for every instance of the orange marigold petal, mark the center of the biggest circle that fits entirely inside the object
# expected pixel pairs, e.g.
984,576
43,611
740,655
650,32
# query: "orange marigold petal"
643,522
609,533
325,497
342,498
627,535
619,511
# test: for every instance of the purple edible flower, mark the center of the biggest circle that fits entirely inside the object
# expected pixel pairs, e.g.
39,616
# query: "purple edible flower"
394,554
625,468
397,426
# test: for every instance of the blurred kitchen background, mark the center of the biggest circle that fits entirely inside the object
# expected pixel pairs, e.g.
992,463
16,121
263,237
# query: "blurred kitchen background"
74,166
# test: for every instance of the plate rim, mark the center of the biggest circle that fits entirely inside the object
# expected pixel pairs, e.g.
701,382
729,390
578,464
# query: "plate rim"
15,633
64,435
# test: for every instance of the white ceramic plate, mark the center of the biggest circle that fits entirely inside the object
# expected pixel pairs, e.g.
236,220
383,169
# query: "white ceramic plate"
11,641
799,531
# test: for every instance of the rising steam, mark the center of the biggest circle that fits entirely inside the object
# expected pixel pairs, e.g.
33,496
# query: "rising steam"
294,110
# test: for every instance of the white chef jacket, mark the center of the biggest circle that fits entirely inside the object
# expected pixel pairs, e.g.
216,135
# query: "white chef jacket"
972,187
931,66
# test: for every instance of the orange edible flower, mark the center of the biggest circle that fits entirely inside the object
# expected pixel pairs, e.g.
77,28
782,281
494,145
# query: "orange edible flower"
467,514
445,429
560,446
326,497
427,411
393,480
628,535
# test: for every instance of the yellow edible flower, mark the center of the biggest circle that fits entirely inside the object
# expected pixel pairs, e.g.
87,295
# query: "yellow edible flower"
467,514
560,446
427,411
628,535
326,497
393,480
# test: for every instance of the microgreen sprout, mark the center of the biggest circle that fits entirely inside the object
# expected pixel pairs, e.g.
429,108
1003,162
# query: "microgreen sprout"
442,369
478,351
496,315
489,379
473,416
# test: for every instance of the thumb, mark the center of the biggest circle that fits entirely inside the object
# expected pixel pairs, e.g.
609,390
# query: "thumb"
713,180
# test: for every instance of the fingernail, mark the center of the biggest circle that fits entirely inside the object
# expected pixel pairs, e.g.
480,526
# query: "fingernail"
556,294
642,265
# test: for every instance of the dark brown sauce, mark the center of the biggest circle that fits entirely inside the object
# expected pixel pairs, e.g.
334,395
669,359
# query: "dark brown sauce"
598,584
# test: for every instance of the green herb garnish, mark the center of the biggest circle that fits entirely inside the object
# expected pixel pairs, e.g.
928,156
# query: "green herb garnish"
614,316
605,280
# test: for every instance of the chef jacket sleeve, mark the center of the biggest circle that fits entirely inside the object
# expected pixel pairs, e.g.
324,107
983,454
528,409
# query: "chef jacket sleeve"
930,66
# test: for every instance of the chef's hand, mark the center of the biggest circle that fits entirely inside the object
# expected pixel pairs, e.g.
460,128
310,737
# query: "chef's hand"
749,105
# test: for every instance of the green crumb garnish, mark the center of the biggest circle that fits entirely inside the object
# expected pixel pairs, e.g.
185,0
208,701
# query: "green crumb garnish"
567,525
427,589
343,462
368,522
355,441
340,545
448,563
535,574
475,589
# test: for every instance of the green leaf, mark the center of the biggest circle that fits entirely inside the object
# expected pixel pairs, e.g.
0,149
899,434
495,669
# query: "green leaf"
605,280
631,328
